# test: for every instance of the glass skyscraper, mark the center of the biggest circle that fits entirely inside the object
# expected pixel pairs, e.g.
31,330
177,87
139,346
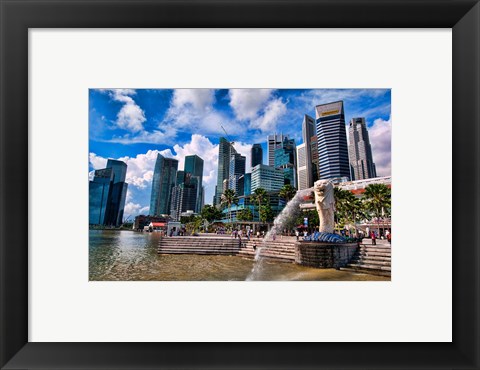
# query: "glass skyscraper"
99,193
266,177
274,141
225,149
332,141
164,179
286,160
194,167
360,150
107,193
237,169
257,155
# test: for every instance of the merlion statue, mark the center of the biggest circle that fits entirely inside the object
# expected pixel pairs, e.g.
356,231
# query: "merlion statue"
325,203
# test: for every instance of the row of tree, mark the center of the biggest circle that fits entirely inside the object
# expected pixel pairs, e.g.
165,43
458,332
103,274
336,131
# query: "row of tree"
375,204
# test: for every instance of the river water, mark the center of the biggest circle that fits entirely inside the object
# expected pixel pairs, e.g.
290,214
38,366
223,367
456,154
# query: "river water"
128,255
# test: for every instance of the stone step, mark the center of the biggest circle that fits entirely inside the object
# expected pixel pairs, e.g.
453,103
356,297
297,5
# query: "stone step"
375,258
371,248
173,251
366,271
378,254
373,267
369,262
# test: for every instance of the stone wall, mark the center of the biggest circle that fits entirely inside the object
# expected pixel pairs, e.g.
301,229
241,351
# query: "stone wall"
324,255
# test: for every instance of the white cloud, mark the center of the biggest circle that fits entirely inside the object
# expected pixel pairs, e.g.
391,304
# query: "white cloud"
199,99
272,113
97,162
247,103
131,209
258,106
380,134
131,116
192,110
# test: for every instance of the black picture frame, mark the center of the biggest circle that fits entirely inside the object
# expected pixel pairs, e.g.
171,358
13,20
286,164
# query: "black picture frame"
17,16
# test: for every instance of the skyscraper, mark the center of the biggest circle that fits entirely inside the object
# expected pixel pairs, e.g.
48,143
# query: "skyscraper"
311,150
237,169
184,196
225,149
100,190
194,166
360,150
107,193
274,141
286,160
257,155
303,174
332,141
164,178
266,177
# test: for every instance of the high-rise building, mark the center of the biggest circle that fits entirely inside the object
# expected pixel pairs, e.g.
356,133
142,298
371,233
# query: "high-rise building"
225,149
332,141
311,150
184,196
107,194
245,184
164,179
99,194
303,174
257,155
286,160
360,150
194,166
274,141
237,169
119,191
266,177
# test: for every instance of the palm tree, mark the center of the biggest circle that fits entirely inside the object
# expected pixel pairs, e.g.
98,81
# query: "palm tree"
259,196
348,207
228,198
378,200
287,192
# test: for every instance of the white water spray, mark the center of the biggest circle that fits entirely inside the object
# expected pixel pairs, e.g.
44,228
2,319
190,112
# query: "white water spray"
278,225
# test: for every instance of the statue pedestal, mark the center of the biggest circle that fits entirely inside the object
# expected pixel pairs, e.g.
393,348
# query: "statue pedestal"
324,255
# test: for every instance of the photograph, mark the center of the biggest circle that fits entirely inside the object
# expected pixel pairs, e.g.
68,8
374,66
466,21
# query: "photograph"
247,184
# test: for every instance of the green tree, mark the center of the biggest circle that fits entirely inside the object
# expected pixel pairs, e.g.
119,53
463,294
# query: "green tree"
187,219
266,213
195,224
245,215
377,200
210,213
228,198
287,192
259,196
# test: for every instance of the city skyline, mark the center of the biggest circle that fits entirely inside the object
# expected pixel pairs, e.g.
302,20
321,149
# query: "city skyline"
121,127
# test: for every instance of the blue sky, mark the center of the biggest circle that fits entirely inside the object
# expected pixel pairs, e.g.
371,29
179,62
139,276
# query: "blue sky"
134,125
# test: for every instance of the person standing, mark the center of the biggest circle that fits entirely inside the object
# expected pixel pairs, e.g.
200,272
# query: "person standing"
374,238
297,234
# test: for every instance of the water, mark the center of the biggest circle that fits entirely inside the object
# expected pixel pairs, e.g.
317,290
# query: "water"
290,210
127,255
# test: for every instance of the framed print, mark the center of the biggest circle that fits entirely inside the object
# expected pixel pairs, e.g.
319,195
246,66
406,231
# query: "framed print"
100,99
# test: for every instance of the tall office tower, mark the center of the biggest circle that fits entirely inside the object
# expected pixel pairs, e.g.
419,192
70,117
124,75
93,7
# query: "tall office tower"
315,162
257,155
286,160
119,192
266,177
214,200
107,193
303,174
99,194
164,178
274,141
237,169
360,150
225,149
310,139
184,196
244,185
194,166
332,141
